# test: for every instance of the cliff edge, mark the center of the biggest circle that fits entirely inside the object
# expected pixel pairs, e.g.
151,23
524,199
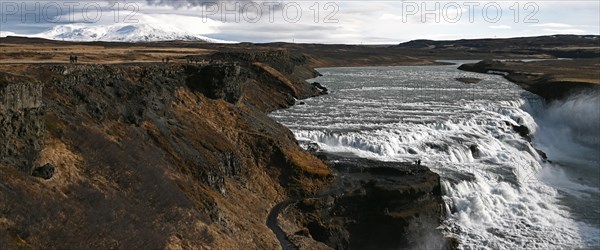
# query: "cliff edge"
149,155
552,79
184,156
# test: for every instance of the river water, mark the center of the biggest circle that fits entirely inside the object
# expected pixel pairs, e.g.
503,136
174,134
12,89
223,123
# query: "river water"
499,191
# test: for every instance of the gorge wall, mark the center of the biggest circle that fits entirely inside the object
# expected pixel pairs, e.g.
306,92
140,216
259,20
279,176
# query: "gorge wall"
158,155
21,121
552,80
372,205
149,155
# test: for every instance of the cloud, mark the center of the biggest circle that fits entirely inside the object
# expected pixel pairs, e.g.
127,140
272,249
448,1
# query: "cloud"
505,27
565,31
552,25
7,33
357,21
560,28
388,16
186,3
221,3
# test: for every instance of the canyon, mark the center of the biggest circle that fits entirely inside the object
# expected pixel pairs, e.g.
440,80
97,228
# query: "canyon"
125,151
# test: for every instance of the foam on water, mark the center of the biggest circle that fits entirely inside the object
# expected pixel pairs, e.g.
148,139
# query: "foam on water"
495,183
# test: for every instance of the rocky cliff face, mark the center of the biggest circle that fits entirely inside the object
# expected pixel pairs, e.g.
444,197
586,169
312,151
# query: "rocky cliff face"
217,81
21,121
184,156
373,205
552,80
148,156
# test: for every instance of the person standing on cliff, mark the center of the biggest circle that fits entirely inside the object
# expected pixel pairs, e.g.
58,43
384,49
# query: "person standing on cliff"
73,59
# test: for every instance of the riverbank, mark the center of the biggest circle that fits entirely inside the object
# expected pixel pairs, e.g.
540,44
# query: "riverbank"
552,79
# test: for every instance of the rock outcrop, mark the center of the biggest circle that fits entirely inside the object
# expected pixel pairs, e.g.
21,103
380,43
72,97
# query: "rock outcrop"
218,81
552,80
374,205
468,80
21,121
184,156
148,156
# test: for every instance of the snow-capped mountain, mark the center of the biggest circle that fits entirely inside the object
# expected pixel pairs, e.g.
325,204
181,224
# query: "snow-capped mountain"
122,33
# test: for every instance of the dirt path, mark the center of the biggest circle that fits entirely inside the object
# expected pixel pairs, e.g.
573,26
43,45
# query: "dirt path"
273,224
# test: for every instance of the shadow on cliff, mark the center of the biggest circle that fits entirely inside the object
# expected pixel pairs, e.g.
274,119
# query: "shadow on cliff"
155,155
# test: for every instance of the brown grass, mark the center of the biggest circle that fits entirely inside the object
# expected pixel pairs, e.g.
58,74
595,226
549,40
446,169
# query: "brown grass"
92,54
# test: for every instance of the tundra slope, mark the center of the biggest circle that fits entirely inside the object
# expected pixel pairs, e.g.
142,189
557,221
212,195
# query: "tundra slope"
151,155
552,80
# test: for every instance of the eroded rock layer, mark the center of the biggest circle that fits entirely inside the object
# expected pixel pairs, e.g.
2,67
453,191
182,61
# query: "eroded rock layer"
149,155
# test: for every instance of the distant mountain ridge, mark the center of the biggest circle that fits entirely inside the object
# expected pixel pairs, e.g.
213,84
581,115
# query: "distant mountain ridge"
122,33
567,46
517,42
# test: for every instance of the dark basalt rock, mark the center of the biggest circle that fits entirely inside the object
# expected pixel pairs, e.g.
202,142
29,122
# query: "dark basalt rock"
218,81
481,67
320,87
376,205
543,155
152,153
550,85
282,60
313,148
468,80
21,121
523,131
45,172
475,152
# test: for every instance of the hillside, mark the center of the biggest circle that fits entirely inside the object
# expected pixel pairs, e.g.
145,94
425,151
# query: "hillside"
149,155
553,80
181,155
566,46
125,150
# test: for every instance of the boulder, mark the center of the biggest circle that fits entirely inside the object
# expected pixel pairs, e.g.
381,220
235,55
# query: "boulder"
468,80
320,87
45,172
523,131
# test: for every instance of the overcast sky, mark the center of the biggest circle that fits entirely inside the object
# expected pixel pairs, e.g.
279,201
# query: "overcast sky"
368,22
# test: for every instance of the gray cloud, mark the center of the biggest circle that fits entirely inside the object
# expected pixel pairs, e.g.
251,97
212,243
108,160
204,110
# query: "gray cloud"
192,3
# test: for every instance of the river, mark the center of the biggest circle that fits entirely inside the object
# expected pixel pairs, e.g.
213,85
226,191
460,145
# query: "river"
500,192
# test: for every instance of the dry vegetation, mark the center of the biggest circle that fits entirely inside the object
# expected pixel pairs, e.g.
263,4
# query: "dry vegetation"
579,70
144,161
92,54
